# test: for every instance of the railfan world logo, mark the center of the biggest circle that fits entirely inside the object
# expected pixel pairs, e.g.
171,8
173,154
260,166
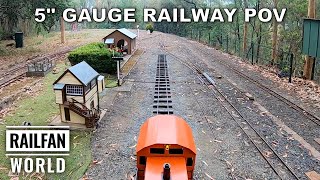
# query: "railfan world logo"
37,148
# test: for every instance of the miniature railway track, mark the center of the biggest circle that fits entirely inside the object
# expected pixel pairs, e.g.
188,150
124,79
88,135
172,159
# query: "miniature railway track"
292,105
162,94
19,72
276,162
11,80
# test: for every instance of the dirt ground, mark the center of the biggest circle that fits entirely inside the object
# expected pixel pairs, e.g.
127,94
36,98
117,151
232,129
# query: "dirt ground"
223,151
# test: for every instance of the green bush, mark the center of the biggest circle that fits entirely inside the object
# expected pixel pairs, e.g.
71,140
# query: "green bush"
96,55
150,27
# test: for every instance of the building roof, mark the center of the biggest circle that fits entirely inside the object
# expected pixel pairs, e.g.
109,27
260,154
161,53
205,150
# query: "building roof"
109,41
83,72
165,129
58,86
125,32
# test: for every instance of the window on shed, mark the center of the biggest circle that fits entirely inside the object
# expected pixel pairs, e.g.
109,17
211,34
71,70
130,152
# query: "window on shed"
74,90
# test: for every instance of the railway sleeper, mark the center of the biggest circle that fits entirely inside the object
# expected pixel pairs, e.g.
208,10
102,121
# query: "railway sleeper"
162,93
161,96
162,86
162,100
162,106
163,112
162,89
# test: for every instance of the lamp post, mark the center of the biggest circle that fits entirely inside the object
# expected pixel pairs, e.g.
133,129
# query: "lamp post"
118,59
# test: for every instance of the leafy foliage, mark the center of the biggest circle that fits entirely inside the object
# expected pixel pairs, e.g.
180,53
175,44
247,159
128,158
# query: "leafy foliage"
51,19
150,27
96,55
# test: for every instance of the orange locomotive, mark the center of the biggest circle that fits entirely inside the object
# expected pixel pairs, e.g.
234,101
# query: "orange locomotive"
165,149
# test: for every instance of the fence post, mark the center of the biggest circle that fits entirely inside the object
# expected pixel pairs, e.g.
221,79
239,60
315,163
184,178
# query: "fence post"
252,53
291,67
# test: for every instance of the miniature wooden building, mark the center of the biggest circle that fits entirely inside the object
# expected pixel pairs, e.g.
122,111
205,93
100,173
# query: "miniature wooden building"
40,68
77,93
121,38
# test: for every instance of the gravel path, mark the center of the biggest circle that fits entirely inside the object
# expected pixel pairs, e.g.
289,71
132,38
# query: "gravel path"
223,151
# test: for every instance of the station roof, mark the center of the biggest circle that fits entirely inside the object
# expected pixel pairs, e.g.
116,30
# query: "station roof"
165,129
125,32
82,71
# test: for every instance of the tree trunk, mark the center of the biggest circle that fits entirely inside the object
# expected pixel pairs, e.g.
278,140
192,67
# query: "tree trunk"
259,39
274,37
309,61
245,31
62,30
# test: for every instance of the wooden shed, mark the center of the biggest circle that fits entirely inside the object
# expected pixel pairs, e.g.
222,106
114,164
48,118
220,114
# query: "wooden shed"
121,38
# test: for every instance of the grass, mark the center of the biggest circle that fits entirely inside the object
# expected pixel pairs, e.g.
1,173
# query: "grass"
38,110
110,81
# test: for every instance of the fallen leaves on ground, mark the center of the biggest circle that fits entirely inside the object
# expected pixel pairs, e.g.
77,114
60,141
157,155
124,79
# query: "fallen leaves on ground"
217,141
308,91
268,153
210,177
205,163
96,162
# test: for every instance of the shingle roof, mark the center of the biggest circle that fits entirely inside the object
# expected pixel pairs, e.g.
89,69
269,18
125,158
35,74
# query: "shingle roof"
58,86
83,72
127,33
